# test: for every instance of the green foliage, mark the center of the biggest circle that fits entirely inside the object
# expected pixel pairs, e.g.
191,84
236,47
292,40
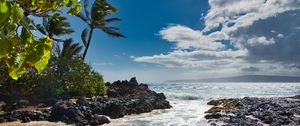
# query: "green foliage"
70,50
28,64
81,79
22,51
61,77
72,76
55,25
24,87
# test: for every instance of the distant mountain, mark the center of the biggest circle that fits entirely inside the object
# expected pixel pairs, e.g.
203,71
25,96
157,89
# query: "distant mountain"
246,78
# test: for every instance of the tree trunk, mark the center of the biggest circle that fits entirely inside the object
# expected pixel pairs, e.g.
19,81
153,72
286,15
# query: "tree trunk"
88,44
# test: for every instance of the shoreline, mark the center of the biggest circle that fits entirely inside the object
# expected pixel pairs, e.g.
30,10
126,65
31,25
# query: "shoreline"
126,98
123,98
254,111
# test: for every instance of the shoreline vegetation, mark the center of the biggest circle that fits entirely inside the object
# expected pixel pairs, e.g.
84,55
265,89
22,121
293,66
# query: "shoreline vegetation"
123,98
44,76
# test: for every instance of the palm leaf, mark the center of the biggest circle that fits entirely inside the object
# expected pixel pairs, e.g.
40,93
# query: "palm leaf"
40,28
112,20
83,17
84,36
70,49
100,9
112,31
86,9
59,25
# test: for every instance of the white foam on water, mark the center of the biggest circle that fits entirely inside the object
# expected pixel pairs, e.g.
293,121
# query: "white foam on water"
189,101
183,113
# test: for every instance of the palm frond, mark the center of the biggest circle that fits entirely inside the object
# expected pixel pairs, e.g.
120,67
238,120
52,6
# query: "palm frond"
100,9
112,32
45,22
112,20
40,28
83,17
70,49
86,9
84,35
59,25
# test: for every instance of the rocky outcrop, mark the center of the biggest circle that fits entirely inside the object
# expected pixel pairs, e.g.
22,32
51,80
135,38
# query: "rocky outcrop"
255,111
25,116
72,113
123,98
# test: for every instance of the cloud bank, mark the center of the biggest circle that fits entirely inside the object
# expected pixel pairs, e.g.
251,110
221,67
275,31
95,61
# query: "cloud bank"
240,36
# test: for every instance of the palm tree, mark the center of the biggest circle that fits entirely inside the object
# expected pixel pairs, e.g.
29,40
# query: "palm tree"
99,18
70,50
69,53
55,25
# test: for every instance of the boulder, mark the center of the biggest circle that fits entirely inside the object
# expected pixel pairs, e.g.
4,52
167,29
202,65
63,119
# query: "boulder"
255,111
123,98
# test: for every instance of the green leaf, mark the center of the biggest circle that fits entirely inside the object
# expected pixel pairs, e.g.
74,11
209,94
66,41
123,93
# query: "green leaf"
4,13
19,67
26,37
41,48
41,64
19,49
4,48
16,14
76,7
3,7
44,58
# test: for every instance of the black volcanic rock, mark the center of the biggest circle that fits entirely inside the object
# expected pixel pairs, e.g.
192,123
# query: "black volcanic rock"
135,98
123,98
73,113
255,111
25,116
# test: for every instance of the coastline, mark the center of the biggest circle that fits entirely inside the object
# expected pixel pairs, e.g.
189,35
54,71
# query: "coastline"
126,100
255,111
123,98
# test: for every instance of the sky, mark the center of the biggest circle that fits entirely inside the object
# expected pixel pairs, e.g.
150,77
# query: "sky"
193,39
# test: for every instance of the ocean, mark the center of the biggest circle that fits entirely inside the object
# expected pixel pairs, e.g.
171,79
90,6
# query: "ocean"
189,101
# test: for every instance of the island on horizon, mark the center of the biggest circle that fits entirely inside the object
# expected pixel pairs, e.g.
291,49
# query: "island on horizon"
243,78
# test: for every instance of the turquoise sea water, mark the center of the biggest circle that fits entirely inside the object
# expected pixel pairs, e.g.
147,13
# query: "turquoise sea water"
189,101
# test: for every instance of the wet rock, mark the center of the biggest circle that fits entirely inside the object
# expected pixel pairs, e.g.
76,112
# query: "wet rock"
2,105
24,116
255,111
16,105
213,116
123,98
133,82
215,102
99,120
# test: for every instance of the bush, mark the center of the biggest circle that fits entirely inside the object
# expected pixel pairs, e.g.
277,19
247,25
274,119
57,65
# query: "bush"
17,89
81,79
68,77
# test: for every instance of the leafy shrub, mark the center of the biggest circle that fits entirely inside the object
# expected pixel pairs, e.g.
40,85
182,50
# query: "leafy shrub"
67,77
80,79
24,87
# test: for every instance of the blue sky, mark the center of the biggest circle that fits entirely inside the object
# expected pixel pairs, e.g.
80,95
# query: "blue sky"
141,23
189,39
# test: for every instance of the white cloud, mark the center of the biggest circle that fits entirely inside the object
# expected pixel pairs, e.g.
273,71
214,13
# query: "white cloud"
186,38
239,36
260,41
280,35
